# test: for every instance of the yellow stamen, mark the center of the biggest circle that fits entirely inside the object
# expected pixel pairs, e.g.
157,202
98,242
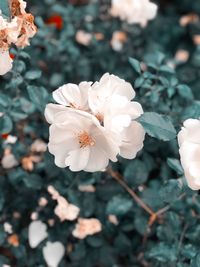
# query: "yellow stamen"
85,140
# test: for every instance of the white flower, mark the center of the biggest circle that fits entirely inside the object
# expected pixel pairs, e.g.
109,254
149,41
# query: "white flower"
109,100
72,95
108,86
78,140
93,123
53,253
5,62
8,228
37,232
189,143
38,146
11,139
9,161
134,11
86,227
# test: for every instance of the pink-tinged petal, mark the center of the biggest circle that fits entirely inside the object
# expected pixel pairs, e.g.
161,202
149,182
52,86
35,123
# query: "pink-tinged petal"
77,159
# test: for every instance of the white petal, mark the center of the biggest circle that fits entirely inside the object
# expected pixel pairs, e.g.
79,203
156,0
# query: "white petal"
67,94
132,140
97,161
77,159
52,110
37,232
53,253
5,62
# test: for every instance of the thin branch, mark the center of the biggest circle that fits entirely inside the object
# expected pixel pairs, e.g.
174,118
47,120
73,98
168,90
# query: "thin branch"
118,177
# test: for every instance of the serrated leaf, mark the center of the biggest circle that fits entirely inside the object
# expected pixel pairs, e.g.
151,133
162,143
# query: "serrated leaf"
158,126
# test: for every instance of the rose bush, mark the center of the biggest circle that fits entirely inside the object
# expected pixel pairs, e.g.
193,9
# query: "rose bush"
125,200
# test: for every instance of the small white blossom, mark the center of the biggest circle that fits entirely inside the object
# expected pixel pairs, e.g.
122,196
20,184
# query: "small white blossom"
8,228
83,37
11,139
38,146
53,253
134,11
9,161
37,232
189,143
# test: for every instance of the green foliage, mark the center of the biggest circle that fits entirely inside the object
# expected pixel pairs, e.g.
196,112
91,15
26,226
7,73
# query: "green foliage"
4,7
168,97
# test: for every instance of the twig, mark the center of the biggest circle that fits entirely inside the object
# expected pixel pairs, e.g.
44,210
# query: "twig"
118,177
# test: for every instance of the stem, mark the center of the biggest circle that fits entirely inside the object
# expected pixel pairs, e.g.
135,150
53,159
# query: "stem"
118,177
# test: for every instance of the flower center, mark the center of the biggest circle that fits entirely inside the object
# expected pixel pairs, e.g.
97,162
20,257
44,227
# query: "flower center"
85,140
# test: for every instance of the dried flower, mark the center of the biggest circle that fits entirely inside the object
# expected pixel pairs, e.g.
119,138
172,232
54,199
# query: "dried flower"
182,55
83,37
86,227
13,240
64,210
118,40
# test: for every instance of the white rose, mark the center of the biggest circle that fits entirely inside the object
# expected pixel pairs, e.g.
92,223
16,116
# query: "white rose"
78,140
134,11
189,142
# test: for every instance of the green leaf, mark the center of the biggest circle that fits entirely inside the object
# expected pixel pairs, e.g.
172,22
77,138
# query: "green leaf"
33,181
163,253
119,205
171,190
185,92
175,165
33,74
4,7
135,64
196,261
39,96
6,124
136,173
158,126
